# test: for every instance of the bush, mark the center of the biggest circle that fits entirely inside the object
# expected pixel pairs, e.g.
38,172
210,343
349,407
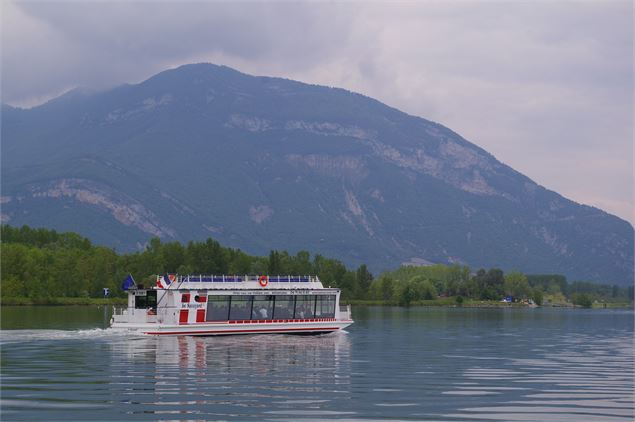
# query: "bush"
583,299
537,296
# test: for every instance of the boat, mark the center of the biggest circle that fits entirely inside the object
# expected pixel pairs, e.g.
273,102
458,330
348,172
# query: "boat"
206,305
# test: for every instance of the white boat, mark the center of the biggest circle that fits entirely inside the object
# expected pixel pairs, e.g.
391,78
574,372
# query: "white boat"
219,305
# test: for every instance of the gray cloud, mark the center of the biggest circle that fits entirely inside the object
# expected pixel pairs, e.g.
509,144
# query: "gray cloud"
104,43
547,87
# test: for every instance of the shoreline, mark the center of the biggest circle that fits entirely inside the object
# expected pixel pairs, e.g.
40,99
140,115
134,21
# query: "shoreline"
433,303
63,301
485,304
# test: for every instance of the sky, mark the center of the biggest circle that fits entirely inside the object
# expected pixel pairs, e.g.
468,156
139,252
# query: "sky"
544,86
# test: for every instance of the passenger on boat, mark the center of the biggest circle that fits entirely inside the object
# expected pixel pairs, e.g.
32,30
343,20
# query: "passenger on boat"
263,313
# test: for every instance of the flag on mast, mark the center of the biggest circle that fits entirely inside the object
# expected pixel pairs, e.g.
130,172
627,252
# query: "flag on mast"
163,282
128,283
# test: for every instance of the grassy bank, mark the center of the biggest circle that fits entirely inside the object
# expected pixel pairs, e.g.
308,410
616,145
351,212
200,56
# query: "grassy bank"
441,301
469,303
62,301
612,305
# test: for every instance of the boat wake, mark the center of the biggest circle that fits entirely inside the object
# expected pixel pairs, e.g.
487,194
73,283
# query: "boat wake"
16,336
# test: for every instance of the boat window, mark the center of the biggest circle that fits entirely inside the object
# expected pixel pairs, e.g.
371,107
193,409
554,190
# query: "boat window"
147,301
262,307
284,307
240,307
305,307
325,307
217,308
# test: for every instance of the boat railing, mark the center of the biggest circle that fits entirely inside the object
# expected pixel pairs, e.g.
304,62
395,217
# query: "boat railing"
203,278
345,312
132,315
119,310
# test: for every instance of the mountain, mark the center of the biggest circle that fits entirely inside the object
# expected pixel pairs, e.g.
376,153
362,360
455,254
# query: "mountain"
265,163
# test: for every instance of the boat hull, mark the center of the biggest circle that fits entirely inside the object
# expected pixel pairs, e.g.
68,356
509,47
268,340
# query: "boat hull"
235,327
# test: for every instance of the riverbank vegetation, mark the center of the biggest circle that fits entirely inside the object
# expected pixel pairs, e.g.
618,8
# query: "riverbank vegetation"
41,266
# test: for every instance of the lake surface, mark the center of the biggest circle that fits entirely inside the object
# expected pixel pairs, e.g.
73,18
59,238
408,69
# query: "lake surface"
59,363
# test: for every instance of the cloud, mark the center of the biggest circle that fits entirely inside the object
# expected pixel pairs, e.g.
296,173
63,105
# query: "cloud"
547,87
62,44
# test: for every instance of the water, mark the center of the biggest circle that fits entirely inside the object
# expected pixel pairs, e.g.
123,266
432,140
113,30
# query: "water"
393,363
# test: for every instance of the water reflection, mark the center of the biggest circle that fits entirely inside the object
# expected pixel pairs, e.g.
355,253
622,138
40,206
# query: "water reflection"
588,377
406,364
258,351
217,376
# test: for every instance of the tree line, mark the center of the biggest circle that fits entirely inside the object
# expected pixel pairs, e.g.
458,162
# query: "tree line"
410,284
38,263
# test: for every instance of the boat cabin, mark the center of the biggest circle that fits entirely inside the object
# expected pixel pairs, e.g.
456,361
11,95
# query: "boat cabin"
221,301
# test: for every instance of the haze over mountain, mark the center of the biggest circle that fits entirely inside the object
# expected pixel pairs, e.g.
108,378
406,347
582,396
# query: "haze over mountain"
266,163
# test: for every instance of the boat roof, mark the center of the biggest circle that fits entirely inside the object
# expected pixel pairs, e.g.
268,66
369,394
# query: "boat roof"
235,282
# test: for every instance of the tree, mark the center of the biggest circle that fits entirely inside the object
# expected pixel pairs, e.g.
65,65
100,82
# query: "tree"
458,278
516,285
383,288
407,294
496,281
550,283
239,262
424,288
489,284
428,290
348,285
301,263
537,296
583,299
332,272
172,256
274,267
364,280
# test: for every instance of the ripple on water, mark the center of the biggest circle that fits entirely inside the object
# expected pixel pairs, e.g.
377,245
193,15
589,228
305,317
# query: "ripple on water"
395,364
563,386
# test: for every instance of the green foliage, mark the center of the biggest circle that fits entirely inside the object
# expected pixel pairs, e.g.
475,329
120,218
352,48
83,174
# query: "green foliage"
364,279
550,283
406,294
554,285
583,299
537,295
516,285
383,288
43,238
489,284
274,265
411,284
424,288
39,264
447,280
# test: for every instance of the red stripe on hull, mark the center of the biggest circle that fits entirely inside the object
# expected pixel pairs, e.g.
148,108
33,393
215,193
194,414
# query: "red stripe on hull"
271,330
268,321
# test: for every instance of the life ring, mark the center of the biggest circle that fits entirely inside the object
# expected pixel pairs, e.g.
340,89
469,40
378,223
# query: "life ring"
263,280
